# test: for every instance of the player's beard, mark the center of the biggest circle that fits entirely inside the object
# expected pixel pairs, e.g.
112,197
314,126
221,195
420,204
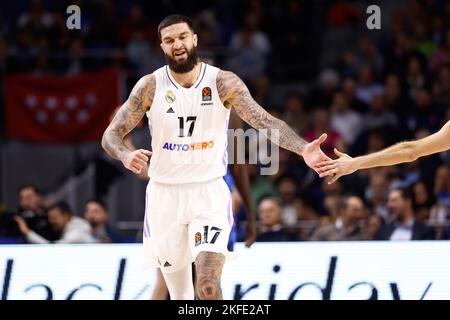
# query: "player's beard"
186,65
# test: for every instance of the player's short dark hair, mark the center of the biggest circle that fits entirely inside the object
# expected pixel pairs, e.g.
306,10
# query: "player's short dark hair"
97,201
174,19
62,206
29,186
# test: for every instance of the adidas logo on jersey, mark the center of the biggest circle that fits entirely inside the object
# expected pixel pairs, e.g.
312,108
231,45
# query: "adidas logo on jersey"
170,110
167,264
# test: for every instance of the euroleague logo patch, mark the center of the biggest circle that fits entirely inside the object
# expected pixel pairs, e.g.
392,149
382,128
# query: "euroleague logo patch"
198,238
206,94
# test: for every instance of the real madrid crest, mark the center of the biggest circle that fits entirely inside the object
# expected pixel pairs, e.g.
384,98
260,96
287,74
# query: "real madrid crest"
170,96
198,238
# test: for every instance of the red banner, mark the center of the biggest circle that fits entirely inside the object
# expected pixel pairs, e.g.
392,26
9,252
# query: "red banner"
60,109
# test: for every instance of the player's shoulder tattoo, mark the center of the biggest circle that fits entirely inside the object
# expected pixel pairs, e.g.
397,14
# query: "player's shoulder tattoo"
141,97
229,85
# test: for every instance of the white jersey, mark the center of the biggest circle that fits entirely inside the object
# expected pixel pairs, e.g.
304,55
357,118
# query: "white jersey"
189,129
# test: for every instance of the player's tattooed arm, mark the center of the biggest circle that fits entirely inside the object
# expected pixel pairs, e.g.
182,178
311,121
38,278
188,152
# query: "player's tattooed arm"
233,91
128,116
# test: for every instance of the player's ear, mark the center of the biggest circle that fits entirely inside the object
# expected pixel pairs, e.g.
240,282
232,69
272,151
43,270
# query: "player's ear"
194,39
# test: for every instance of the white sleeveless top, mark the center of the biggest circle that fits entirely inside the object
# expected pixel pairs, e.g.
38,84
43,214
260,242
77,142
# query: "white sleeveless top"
188,128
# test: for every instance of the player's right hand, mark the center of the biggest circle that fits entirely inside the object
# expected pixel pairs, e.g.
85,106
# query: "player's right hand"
136,160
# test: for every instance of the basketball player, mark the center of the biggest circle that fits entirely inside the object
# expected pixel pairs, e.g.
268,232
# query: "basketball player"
188,213
406,151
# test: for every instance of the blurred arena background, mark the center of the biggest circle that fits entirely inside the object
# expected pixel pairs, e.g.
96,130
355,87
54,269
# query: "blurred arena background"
314,64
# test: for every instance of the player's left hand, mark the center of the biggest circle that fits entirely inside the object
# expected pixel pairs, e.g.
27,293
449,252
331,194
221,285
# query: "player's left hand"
312,154
250,233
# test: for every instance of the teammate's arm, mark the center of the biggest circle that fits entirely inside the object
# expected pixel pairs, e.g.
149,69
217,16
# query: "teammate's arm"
233,92
125,120
242,179
406,151
240,175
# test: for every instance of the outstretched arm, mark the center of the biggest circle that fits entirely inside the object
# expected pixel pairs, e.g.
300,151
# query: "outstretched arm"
233,92
126,118
406,151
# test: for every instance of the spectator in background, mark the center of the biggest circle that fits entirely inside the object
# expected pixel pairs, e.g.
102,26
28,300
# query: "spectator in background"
260,185
441,55
208,29
349,88
344,120
327,83
411,173
249,48
424,115
33,212
367,87
295,54
373,225
142,55
287,189
331,202
23,52
375,141
415,77
137,22
72,229
320,124
270,228
378,117
96,213
376,195
423,42
294,113
36,20
366,54
332,195
440,213
405,226
441,88
77,61
347,226
442,184
307,217
423,201
395,100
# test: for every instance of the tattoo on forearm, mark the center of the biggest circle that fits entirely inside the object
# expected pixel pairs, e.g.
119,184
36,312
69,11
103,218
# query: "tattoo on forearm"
127,117
209,266
232,90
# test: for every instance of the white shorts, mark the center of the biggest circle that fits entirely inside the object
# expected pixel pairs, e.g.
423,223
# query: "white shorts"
183,220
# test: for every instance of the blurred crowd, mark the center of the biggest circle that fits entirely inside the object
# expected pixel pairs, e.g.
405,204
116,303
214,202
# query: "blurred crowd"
380,88
385,90
39,222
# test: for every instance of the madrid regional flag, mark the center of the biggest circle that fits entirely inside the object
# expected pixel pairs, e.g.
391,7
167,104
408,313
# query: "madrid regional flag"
60,109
